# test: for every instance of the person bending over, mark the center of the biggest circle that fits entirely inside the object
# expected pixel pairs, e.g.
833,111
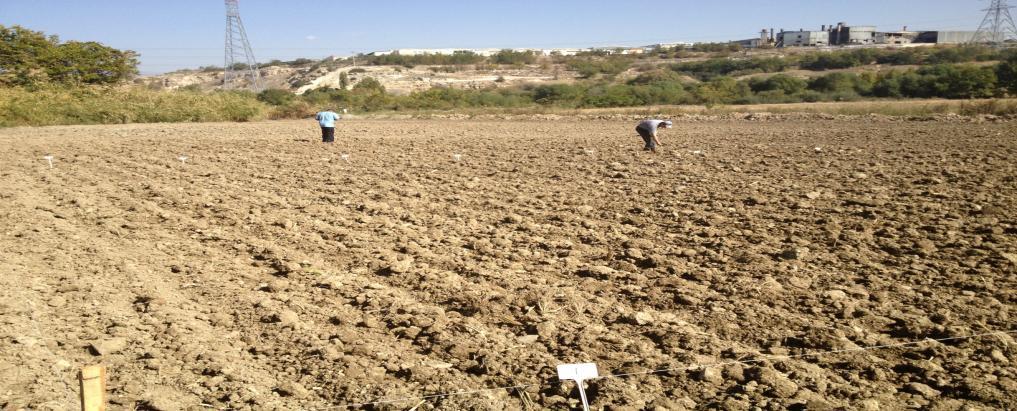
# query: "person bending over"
647,129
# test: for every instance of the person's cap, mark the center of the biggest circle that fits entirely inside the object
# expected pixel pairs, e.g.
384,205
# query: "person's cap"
668,124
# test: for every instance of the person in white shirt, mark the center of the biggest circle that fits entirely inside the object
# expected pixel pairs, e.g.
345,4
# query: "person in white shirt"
647,129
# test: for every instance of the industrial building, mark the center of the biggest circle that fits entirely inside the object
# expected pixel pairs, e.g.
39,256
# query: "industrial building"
945,37
844,35
803,38
897,37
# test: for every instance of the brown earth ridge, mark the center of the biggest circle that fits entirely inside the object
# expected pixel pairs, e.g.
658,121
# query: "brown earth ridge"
265,272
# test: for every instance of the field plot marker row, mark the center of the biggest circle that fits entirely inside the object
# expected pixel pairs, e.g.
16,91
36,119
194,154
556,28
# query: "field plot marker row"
580,373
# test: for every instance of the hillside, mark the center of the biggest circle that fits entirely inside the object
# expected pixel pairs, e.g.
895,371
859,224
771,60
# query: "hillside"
402,75
398,80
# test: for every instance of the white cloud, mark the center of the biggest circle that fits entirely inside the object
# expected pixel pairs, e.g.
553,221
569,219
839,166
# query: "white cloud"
311,37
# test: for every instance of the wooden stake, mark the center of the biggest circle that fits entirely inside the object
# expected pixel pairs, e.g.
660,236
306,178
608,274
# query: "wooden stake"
93,388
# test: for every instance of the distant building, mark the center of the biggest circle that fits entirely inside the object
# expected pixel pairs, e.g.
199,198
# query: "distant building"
844,35
672,45
945,37
803,38
767,38
560,52
897,37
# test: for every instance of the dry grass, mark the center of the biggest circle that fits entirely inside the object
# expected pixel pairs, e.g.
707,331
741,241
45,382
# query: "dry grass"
898,108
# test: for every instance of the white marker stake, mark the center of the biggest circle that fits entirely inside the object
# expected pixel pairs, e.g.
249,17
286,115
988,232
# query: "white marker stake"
579,373
457,157
345,157
49,158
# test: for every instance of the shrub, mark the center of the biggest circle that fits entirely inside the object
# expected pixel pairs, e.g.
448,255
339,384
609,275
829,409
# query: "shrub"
276,97
99,105
960,81
656,76
589,67
558,94
1006,73
722,90
369,85
512,57
709,69
842,83
785,84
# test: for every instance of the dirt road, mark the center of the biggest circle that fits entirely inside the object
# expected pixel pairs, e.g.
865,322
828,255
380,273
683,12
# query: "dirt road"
267,272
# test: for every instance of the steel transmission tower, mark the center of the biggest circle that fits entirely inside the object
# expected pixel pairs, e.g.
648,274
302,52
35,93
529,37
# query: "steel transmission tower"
998,26
241,68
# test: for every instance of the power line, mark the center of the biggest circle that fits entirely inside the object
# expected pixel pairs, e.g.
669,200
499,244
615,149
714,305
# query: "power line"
237,48
997,27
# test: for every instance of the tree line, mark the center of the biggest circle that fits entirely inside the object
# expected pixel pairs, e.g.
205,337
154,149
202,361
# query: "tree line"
31,58
667,87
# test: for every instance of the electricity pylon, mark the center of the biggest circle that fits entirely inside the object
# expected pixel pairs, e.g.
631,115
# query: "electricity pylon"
241,68
997,27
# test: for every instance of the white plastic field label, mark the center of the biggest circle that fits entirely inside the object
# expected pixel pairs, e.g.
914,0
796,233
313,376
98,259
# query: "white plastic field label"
578,372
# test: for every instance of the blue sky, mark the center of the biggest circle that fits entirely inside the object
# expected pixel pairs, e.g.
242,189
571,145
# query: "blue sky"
173,34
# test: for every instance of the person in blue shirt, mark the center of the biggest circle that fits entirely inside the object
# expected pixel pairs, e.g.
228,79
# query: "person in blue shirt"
326,119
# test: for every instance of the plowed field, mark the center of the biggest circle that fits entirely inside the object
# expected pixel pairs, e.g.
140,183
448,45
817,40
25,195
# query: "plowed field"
754,265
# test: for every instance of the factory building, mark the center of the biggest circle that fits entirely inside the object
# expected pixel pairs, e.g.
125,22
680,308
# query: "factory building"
897,37
803,38
766,38
844,35
945,37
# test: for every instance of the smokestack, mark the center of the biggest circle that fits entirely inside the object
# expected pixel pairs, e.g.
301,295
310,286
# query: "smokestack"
905,28
824,27
773,35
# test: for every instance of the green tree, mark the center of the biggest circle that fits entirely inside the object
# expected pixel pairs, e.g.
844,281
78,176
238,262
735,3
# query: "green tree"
30,57
91,63
558,94
514,57
589,67
1006,72
22,55
961,81
835,83
722,90
369,85
344,81
276,97
780,82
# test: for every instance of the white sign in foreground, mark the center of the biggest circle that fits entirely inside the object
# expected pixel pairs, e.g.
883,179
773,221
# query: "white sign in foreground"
49,158
579,373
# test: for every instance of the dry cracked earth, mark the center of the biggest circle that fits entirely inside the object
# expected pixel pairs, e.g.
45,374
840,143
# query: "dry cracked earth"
800,264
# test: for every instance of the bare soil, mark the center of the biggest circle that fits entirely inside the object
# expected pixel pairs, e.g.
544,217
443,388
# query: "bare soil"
265,272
